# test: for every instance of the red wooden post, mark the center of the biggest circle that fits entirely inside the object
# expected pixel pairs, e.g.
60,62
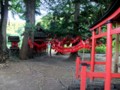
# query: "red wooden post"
77,67
108,57
93,53
83,77
99,29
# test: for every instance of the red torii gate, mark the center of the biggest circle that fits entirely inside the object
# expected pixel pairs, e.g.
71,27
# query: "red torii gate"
111,16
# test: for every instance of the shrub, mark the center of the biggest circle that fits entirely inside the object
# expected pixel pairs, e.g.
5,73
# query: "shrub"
101,49
85,51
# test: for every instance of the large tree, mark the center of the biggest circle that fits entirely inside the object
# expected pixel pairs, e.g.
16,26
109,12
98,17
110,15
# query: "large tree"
69,15
3,24
76,14
30,22
76,22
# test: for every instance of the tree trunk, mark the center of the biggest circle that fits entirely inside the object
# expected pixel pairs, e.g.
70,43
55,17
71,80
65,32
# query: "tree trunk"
30,22
116,54
3,26
76,16
76,24
1,19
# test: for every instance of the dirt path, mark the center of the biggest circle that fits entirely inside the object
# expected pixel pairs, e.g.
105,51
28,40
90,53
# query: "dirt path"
41,73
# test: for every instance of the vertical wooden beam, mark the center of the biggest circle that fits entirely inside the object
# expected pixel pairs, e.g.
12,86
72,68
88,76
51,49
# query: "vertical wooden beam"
83,77
93,53
108,57
77,67
99,29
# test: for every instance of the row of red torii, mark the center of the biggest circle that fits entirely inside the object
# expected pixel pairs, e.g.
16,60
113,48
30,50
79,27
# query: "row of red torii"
110,19
58,45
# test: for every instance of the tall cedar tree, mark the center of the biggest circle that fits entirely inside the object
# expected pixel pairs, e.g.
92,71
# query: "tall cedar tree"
3,24
30,22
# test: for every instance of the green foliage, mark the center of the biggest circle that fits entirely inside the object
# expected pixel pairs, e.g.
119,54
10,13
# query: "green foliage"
18,7
84,50
15,29
45,21
101,49
60,19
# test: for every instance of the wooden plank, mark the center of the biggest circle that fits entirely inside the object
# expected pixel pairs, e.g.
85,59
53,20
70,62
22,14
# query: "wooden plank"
115,31
101,35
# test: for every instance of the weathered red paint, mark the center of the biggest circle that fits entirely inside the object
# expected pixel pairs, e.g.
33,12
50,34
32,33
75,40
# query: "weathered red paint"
107,75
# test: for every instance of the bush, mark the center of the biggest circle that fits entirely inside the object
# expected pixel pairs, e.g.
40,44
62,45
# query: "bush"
85,51
99,49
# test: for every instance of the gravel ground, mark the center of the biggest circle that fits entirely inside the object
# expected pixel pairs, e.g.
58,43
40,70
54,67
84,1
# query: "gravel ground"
41,73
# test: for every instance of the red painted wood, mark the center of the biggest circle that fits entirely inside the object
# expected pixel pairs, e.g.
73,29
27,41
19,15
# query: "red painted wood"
93,53
99,29
115,75
115,31
77,67
107,75
107,19
108,58
81,45
100,63
83,76
96,74
101,35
